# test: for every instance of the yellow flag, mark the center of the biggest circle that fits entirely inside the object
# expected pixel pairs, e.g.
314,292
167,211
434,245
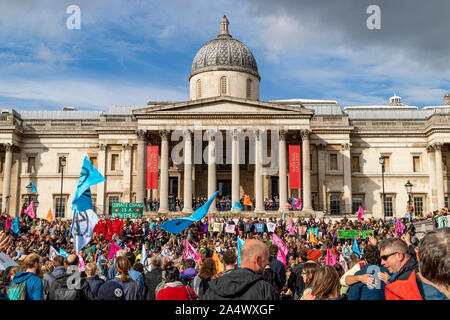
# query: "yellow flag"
312,238
247,201
50,216
219,267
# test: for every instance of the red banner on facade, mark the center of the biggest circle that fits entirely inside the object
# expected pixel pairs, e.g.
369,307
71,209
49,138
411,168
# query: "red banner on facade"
295,169
152,167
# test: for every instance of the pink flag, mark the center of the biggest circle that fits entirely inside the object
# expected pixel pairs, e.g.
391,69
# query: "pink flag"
82,265
328,258
113,250
190,252
297,204
333,259
361,213
8,223
291,227
30,210
399,227
209,218
335,233
282,249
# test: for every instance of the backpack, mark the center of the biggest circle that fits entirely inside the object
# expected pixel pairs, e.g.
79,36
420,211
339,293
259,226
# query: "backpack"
18,291
62,292
270,277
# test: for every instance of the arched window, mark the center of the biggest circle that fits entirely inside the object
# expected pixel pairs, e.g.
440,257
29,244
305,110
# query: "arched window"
199,89
249,88
223,86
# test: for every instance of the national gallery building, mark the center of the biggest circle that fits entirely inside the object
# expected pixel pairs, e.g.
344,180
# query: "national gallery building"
224,138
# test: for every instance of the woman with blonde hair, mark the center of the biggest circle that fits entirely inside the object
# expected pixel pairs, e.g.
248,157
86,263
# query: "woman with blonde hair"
92,277
325,285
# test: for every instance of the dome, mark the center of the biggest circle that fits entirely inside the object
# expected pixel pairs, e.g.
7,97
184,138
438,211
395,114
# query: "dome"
224,53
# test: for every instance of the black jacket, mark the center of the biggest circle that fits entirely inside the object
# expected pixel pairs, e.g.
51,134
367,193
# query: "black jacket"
94,284
60,291
152,279
405,271
240,284
280,271
295,282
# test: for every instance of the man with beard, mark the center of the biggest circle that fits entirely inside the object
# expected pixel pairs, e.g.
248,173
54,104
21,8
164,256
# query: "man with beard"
34,288
246,283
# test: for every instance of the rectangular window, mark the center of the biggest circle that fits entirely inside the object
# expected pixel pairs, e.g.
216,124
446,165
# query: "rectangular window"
355,164
114,162
333,162
416,164
418,205
111,200
60,207
356,202
446,201
335,204
31,165
388,207
2,163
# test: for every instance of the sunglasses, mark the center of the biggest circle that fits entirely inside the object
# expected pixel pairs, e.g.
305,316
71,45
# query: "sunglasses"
386,256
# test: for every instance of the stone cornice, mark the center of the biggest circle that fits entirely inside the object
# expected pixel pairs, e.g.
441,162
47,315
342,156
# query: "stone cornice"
247,116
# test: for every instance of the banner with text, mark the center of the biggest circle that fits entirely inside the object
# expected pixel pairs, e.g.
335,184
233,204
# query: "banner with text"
127,210
351,234
294,167
152,167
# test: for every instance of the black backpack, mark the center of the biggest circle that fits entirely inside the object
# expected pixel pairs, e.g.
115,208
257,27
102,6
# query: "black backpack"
62,292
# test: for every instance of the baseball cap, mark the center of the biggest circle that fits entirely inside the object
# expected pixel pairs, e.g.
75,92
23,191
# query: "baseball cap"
111,290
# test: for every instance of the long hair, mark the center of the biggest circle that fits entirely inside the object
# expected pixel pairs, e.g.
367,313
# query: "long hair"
325,282
309,268
123,266
208,269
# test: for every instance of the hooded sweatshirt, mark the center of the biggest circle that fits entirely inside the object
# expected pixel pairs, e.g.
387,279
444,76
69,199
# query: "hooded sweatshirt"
35,286
240,284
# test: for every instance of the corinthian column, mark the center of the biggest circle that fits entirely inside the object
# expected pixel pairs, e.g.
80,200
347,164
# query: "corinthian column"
321,162
439,175
307,204
282,171
187,197
140,188
259,206
235,182
347,178
9,147
164,167
212,179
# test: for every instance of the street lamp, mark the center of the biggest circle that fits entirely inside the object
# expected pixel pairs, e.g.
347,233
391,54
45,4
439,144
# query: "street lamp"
29,193
408,186
382,161
62,164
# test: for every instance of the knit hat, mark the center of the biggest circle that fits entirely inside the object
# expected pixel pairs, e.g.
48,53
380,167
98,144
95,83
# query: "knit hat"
314,254
111,290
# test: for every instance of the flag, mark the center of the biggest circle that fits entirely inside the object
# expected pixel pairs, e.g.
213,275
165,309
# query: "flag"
355,248
50,216
84,218
328,258
343,263
312,238
166,253
282,249
240,243
399,227
15,225
296,203
291,228
361,212
33,188
333,259
219,266
284,221
99,263
8,223
209,218
30,210
247,201
190,252
178,225
81,264
113,248
63,253
143,255
53,253
237,205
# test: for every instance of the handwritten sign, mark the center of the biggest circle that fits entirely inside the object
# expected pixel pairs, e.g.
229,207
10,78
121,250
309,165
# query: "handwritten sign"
127,210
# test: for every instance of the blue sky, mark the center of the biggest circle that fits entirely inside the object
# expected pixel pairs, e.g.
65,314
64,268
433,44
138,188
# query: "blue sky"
129,52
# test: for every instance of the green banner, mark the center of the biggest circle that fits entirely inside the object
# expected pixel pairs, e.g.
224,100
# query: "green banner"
127,210
351,234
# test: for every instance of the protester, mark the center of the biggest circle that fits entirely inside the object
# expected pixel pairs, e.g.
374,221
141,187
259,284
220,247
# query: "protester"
153,278
58,269
189,273
93,279
395,257
173,288
308,271
275,274
132,288
30,279
229,261
201,280
324,286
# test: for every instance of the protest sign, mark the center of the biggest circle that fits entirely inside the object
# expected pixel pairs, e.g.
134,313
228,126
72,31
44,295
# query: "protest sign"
230,228
127,210
350,234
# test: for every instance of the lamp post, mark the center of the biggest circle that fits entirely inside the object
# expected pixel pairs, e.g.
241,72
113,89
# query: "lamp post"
62,164
382,161
408,187
29,193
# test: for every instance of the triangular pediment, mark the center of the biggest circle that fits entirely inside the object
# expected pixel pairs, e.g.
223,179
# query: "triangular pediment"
222,105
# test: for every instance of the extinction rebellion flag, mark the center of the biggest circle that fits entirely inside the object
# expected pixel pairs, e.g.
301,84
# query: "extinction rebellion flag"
152,167
294,167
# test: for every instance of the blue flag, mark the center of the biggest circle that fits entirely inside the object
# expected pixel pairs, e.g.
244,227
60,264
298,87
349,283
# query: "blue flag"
99,263
240,243
356,247
84,218
178,225
15,226
237,205
63,253
33,188
284,221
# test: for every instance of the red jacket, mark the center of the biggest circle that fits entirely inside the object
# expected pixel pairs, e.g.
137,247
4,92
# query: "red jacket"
176,293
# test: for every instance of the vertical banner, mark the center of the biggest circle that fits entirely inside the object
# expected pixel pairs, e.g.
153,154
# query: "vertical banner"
294,167
152,167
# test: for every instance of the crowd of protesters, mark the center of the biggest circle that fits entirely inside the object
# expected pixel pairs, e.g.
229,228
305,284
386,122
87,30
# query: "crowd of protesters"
388,266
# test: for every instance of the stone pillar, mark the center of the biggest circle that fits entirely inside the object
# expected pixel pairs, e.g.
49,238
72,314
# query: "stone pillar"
212,179
187,151
307,204
282,171
9,147
321,147
235,178
439,175
140,185
164,170
432,168
259,206
127,172
347,178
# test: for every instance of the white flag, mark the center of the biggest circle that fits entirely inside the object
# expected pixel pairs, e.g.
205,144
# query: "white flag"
53,253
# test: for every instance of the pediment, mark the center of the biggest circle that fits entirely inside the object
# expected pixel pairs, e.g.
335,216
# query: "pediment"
222,105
